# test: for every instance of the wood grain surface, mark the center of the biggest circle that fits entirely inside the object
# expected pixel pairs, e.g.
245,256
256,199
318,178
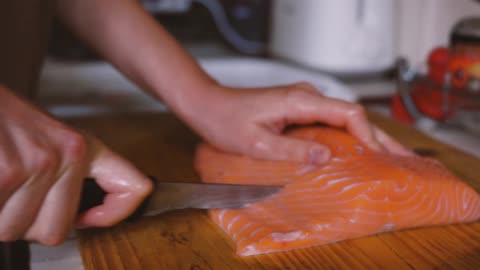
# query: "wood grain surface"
161,146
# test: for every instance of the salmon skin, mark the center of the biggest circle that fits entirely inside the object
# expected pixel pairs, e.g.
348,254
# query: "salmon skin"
359,192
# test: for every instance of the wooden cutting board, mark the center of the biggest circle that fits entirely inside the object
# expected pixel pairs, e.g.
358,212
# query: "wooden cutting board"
161,146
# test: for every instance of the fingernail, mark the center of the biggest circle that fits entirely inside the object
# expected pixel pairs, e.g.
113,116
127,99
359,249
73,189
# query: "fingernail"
318,155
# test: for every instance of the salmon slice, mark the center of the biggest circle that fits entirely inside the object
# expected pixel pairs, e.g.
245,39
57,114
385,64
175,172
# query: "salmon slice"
359,192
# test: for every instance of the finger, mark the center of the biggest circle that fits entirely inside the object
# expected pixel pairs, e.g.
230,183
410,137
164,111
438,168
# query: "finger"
391,144
307,108
126,188
21,208
271,146
11,175
58,210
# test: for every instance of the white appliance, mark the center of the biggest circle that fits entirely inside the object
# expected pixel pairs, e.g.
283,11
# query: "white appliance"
425,24
337,36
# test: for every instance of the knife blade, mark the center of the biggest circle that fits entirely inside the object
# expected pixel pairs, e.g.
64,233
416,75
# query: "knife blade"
168,196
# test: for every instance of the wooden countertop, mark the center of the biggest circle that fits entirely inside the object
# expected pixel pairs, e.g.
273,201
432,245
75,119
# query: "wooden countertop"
161,146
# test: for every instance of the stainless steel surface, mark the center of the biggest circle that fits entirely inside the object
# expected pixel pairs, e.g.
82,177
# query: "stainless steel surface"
171,196
65,256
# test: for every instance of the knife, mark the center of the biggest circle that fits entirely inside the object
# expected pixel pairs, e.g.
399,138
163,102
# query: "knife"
168,196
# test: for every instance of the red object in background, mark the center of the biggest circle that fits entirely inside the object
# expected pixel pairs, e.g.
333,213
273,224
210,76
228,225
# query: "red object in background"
439,56
441,60
428,97
458,67
399,111
430,102
427,101
438,64
462,66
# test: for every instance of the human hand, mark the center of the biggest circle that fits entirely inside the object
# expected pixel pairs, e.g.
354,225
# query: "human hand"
42,167
251,121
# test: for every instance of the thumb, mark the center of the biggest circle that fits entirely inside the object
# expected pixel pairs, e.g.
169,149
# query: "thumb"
282,148
125,186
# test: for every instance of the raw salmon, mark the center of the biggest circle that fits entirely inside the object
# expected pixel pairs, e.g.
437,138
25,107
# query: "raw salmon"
359,192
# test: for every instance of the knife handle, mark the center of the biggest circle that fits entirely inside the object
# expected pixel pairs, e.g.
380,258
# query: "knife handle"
93,195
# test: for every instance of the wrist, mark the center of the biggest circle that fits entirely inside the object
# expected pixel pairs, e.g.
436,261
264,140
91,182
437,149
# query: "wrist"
200,100
203,102
187,97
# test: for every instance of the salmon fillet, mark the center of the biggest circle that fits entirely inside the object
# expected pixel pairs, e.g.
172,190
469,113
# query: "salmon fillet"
359,192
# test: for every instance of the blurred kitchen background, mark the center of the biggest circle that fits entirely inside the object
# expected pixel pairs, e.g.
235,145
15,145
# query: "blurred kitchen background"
414,61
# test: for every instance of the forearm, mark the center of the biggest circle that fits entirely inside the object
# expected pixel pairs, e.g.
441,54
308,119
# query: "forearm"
128,37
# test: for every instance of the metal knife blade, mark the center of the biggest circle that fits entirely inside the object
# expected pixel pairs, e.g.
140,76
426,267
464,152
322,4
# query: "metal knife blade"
168,196
176,195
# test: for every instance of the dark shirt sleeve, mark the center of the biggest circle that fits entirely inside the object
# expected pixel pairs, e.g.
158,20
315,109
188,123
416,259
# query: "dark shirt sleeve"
24,29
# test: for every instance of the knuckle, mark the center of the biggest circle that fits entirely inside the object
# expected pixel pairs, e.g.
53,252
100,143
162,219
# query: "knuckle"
295,95
75,146
50,238
357,110
54,240
10,177
45,160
